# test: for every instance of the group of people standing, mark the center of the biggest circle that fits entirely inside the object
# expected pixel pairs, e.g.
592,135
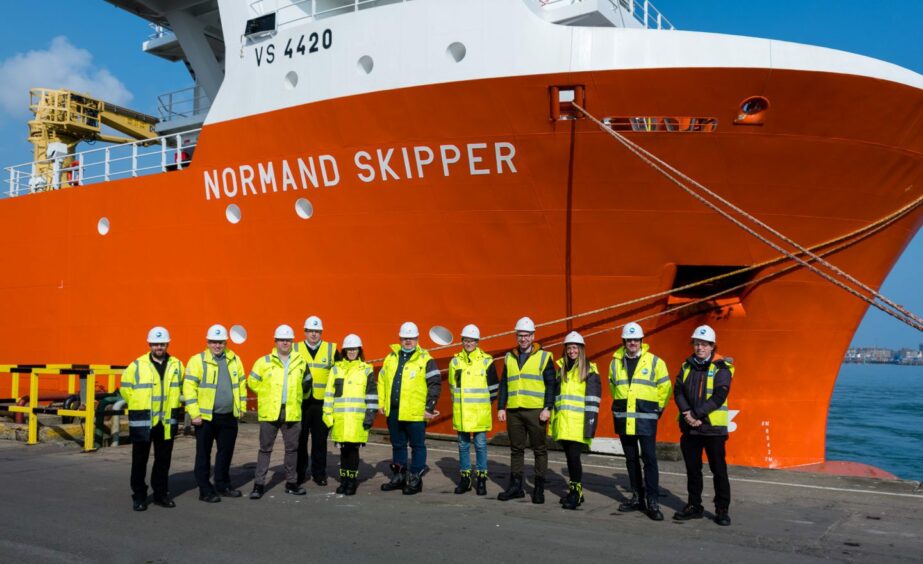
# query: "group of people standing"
308,390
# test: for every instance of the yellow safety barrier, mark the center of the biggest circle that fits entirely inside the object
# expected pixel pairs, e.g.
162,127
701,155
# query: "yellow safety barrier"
73,372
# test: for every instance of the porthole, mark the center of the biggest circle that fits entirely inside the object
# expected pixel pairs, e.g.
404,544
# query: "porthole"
365,64
102,226
303,208
238,334
232,213
440,335
456,51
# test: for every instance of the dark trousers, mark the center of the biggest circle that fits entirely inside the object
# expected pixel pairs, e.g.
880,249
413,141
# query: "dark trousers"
638,448
524,425
402,433
268,432
140,451
692,447
222,429
312,425
572,451
349,456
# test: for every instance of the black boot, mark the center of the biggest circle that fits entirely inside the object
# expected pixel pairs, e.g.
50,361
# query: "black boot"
352,480
398,477
344,478
515,489
480,487
538,491
414,483
689,512
636,503
722,517
464,484
574,496
653,510
257,492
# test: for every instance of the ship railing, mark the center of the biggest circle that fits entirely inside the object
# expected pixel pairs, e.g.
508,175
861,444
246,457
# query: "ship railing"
641,10
184,103
309,10
114,162
32,405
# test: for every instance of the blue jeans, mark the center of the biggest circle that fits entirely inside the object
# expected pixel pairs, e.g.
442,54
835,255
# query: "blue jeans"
480,451
403,432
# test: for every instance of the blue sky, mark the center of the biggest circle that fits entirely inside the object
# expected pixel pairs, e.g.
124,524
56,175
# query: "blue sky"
97,48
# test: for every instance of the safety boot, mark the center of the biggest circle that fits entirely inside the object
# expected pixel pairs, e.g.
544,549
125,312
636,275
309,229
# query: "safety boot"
538,491
480,486
689,512
257,492
414,484
653,510
515,489
344,479
574,496
398,477
636,503
352,480
464,484
722,517
292,488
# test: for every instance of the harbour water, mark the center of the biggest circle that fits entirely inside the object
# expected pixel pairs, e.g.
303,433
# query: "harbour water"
876,417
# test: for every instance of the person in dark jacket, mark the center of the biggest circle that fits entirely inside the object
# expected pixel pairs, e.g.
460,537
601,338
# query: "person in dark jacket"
701,394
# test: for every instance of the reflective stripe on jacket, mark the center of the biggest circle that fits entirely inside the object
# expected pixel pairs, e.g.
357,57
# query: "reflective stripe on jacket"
267,380
716,420
526,386
471,391
350,401
576,405
149,403
318,365
201,384
414,383
637,404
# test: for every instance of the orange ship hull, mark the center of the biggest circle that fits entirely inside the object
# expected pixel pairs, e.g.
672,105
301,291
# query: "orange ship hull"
578,225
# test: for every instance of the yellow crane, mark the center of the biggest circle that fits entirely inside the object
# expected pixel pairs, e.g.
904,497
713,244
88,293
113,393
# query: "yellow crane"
66,118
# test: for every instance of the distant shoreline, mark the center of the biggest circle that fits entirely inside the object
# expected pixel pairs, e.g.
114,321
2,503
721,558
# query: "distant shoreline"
871,361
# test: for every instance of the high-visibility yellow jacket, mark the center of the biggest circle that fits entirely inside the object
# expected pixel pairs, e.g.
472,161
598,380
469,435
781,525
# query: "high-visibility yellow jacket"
319,365
638,403
524,387
576,404
201,384
420,384
267,380
350,401
473,381
150,401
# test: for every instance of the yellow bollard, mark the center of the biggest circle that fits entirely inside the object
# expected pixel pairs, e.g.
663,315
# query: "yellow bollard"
33,402
89,419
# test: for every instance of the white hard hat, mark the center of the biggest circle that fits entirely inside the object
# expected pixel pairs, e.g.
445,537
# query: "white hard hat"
158,335
284,332
704,333
525,324
217,333
313,323
409,330
574,338
471,332
352,341
632,331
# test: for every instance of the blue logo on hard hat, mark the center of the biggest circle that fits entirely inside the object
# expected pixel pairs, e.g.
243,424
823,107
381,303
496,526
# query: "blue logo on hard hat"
702,331
159,334
631,329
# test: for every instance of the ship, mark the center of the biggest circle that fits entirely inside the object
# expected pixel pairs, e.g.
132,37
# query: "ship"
475,161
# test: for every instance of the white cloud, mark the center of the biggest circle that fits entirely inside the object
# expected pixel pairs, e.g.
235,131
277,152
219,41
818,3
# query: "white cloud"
62,65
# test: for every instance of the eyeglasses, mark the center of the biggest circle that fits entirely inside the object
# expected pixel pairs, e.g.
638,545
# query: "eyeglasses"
467,341
632,340
703,344
524,336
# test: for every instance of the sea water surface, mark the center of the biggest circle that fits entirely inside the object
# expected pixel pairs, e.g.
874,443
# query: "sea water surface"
876,417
